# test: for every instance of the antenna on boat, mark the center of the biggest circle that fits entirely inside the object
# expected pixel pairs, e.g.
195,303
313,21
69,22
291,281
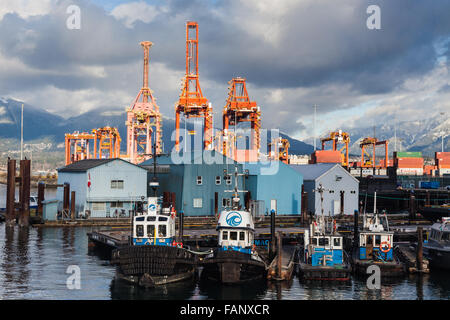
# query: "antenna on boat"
235,197
154,184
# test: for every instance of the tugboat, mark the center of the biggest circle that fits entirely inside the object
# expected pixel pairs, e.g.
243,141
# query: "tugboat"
235,260
437,249
375,247
323,256
153,256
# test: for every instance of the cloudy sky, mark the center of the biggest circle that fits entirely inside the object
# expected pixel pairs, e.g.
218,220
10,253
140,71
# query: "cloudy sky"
294,54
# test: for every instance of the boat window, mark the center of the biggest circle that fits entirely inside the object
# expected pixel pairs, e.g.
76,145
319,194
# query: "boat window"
151,218
242,236
162,230
150,230
233,235
377,240
337,242
224,235
162,219
324,241
314,241
140,219
369,240
139,230
446,236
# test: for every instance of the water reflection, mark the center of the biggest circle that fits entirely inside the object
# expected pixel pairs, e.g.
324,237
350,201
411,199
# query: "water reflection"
122,290
33,264
249,291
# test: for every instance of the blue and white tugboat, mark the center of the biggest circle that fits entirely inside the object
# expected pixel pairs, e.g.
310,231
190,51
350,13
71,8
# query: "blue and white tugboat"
154,256
322,256
437,249
235,259
375,247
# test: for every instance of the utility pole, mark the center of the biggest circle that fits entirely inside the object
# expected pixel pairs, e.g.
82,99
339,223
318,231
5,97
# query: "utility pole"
21,135
395,133
314,130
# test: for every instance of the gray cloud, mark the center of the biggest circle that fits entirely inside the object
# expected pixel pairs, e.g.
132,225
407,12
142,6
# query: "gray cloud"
293,54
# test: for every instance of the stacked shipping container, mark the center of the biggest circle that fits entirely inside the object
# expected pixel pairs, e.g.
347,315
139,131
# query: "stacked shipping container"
442,161
409,163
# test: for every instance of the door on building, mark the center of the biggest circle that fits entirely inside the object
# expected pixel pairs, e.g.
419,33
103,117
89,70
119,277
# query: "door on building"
342,202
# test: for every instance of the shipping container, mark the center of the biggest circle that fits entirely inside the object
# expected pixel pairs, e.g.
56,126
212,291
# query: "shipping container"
429,184
409,162
407,154
326,156
410,171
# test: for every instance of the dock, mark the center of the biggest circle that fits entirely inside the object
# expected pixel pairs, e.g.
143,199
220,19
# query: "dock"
288,260
407,254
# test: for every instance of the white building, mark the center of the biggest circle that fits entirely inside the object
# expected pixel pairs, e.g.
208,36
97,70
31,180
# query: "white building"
104,187
341,189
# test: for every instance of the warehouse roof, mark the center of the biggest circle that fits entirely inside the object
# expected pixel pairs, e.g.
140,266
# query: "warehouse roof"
314,171
84,165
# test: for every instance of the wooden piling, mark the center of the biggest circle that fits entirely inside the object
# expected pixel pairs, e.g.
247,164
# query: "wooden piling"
419,258
72,206
180,226
66,198
272,235
279,254
25,176
41,197
10,192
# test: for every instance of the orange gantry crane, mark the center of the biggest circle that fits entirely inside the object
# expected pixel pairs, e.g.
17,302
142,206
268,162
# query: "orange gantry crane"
238,109
370,162
339,137
107,143
192,103
77,146
279,149
143,120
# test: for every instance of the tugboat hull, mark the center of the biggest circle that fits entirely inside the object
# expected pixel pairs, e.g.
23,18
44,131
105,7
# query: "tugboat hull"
389,269
149,266
439,259
233,267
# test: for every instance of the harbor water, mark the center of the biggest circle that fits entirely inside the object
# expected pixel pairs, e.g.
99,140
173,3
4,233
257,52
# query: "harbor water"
34,264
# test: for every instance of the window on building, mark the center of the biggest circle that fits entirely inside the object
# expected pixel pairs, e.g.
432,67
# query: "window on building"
198,203
228,179
98,206
116,184
139,230
233,235
242,236
224,235
117,204
199,180
150,230
218,180
226,202
162,231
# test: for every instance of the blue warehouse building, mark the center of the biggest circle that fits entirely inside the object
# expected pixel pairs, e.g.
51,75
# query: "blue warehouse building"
275,180
200,185
198,181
